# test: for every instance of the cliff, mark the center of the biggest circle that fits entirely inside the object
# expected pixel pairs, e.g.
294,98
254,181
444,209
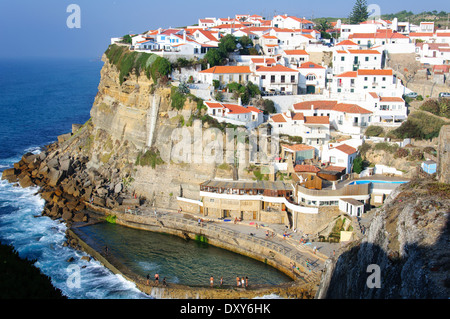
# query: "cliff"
405,251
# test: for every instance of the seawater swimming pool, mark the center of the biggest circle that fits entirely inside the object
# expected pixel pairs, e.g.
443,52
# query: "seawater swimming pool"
376,181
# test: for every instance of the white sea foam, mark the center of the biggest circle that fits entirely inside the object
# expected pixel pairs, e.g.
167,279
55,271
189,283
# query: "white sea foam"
40,238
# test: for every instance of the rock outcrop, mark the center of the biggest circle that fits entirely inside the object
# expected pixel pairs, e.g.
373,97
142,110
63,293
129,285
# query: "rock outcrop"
406,247
443,155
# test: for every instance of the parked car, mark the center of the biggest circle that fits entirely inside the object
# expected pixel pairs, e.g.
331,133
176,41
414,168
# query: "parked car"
444,94
411,95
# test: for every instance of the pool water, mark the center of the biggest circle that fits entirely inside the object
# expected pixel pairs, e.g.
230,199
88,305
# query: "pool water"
180,261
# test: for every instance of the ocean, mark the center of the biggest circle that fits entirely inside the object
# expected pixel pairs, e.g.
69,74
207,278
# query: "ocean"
39,100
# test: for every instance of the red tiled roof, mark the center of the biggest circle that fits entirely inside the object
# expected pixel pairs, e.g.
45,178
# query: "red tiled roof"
375,72
213,105
276,68
297,147
298,117
310,65
236,109
228,69
391,99
254,109
364,52
278,118
317,105
334,168
346,42
296,52
317,120
350,108
348,74
347,149
306,168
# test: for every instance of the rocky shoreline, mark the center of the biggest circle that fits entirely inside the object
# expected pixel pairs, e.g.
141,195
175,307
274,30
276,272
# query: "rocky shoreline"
69,187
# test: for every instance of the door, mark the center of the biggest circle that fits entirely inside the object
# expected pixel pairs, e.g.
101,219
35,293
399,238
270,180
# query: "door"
310,89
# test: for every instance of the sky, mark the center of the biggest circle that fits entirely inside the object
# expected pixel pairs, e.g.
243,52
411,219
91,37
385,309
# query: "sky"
31,28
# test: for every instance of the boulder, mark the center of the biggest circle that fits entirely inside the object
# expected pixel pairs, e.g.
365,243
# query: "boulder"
29,158
53,163
66,166
10,174
76,127
98,201
64,137
79,217
54,177
67,215
25,181
118,188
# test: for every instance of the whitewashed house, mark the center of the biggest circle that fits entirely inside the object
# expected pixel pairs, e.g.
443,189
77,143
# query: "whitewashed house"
352,60
226,74
341,155
277,79
291,22
235,114
312,78
293,58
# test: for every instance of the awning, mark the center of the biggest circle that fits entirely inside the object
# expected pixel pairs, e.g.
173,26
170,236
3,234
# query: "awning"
386,117
400,117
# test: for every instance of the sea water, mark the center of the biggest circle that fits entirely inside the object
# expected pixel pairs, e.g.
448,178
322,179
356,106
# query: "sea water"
39,100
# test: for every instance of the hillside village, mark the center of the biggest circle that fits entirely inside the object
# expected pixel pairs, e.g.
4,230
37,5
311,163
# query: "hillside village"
333,103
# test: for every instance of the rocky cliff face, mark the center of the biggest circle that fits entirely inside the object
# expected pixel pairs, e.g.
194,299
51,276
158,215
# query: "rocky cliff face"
407,245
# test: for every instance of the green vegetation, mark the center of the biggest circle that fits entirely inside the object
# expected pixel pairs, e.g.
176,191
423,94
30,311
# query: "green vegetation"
245,92
268,106
439,18
126,61
359,13
419,125
20,279
178,98
149,158
373,130
127,39
218,56
111,219
439,107
387,147
358,164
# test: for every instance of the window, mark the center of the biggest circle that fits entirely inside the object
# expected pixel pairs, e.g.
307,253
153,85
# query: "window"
272,79
292,78
383,78
282,78
342,58
365,78
366,59
263,77
310,77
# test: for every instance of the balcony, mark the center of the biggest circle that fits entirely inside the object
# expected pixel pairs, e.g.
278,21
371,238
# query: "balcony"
363,124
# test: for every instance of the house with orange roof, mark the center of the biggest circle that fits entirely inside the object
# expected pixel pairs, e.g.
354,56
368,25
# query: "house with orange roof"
269,44
249,116
314,130
298,153
291,22
341,155
386,109
312,78
207,37
293,58
351,60
226,74
277,79
207,22
358,83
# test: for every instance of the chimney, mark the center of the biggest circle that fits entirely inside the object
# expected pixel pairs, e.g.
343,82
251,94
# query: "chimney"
239,101
312,107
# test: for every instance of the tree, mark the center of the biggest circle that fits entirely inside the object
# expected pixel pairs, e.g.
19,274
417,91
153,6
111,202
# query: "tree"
359,13
358,164
228,43
213,57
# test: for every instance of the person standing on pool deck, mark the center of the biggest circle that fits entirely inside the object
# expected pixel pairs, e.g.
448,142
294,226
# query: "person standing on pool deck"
156,279
211,281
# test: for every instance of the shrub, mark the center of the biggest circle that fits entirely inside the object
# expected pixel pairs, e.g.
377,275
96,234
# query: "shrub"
419,125
178,98
149,158
358,164
373,130
387,147
401,152
147,63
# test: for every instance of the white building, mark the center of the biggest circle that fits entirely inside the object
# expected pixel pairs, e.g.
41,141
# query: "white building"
290,22
277,79
341,155
235,114
352,60
312,78
226,74
293,58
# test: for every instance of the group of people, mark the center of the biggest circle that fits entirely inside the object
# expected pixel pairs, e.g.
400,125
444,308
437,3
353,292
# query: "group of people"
240,281
164,282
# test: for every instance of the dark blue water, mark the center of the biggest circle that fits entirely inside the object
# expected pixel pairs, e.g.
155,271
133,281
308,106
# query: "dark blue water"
39,100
